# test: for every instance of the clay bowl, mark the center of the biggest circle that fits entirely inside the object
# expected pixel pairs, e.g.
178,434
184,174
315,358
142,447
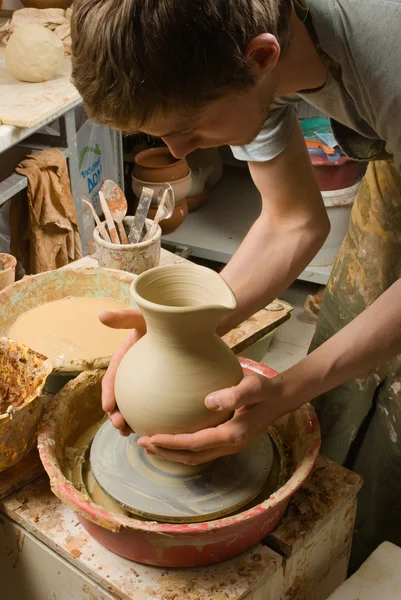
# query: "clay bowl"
78,406
7,270
157,165
179,215
181,187
23,374
53,285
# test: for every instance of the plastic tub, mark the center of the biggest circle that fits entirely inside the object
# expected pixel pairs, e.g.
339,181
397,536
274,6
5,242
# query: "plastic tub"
336,176
338,204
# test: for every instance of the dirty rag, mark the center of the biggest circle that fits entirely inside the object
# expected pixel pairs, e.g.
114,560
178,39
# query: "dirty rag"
43,220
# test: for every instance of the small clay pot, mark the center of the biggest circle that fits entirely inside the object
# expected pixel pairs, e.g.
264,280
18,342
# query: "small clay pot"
47,3
195,202
179,215
158,165
7,270
181,187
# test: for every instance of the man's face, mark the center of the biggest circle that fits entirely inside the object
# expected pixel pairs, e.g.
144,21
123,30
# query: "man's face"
235,119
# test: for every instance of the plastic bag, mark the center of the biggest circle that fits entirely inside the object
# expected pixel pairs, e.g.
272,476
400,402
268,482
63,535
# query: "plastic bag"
96,163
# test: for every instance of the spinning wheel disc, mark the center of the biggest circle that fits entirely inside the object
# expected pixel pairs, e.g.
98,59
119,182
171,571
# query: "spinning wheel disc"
159,490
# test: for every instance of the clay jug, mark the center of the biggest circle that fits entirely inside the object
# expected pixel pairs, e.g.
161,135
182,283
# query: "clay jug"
162,381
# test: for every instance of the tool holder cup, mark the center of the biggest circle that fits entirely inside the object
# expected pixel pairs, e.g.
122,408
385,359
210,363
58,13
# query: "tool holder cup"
133,258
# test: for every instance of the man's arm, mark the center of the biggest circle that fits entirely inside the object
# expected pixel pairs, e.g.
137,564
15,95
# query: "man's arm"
289,232
371,339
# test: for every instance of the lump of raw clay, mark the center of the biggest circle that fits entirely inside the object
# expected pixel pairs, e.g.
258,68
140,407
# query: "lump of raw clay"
33,53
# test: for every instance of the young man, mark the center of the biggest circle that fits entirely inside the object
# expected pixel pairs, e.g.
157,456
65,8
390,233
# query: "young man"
201,74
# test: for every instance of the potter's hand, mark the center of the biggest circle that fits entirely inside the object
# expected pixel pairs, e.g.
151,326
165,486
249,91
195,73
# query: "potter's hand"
124,319
257,405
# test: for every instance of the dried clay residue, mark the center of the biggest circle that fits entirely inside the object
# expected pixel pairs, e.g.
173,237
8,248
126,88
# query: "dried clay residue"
323,489
22,374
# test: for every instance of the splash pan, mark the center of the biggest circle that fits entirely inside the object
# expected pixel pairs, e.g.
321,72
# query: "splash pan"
69,425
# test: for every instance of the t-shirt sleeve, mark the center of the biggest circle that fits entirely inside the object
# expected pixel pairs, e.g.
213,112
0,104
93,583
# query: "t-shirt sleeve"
274,136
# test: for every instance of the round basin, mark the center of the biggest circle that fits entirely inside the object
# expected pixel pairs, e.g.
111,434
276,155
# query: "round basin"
78,407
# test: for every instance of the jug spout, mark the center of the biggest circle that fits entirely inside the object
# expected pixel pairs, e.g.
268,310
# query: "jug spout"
193,296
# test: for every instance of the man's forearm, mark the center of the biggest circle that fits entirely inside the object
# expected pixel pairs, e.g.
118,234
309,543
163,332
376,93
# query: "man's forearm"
269,259
372,338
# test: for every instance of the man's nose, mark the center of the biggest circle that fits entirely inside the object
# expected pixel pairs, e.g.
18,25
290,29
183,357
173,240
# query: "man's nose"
180,149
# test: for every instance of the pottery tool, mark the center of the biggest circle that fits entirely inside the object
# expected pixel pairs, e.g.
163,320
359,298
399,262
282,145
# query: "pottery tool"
109,219
164,211
135,232
154,489
102,228
117,203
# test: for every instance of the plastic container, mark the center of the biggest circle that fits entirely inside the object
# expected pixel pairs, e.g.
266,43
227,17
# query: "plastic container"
336,176
339,205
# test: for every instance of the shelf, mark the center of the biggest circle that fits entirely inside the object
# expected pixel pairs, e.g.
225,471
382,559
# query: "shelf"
215,231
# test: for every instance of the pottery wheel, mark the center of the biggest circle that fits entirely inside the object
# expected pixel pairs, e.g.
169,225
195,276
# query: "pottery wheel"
161,491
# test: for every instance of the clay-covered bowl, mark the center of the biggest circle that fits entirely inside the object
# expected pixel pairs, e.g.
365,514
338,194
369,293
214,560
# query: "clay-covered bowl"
179,215
181,187
23,374
158,165
35,290
78,406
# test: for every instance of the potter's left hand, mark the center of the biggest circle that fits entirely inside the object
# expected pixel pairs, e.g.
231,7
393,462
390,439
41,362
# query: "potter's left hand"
257,404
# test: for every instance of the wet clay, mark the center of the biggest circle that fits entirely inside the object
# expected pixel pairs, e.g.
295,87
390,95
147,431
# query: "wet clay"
69,329
80,473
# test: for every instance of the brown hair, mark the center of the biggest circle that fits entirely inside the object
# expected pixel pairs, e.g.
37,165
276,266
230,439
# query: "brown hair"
133,57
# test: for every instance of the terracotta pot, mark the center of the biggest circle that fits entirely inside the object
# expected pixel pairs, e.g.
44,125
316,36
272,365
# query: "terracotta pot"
181,187
181,303
158,165
7,270
195,202
179,215
47,3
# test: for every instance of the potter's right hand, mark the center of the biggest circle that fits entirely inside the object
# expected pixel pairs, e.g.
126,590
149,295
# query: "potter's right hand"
124,319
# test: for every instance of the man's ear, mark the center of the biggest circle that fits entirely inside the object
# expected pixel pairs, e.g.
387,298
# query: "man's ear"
263,53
